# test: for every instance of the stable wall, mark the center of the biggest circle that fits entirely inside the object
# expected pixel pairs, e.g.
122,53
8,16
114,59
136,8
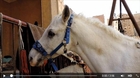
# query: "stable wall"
30,11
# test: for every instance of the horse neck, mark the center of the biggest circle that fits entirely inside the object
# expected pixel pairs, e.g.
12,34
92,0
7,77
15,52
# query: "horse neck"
91,42
90,35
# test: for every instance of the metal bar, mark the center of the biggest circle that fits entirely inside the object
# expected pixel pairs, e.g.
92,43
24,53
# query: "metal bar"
120,19
120,9
131,17
13,46
15,21
112,12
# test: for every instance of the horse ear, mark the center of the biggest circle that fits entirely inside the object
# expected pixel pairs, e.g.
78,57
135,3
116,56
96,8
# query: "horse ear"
65,14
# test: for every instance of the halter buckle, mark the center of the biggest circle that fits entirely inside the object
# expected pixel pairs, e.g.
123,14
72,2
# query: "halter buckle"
64,42
49,56
138,45
68,27
65,49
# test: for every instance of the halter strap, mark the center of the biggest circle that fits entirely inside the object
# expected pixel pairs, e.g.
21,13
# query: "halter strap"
56,49
53,64
37,46
67,33
40,49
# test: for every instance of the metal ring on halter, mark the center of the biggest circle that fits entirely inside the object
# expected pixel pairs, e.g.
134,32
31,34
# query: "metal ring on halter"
138,44
68,27
64,41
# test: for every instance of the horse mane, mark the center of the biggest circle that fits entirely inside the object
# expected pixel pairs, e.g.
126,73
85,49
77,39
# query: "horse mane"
108,29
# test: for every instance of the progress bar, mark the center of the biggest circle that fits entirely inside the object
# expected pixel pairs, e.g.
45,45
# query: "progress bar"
99,75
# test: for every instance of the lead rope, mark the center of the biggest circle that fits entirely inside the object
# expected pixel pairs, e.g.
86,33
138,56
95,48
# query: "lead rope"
20,35
24,65
21,45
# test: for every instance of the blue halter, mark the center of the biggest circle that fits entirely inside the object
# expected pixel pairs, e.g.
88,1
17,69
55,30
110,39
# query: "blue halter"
37,46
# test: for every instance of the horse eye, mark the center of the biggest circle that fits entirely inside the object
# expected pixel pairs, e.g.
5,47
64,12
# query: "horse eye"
51,34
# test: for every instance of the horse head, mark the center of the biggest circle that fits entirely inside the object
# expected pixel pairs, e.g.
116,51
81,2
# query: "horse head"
53,39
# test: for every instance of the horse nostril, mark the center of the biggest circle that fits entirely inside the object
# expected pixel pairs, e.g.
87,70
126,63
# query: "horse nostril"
31,58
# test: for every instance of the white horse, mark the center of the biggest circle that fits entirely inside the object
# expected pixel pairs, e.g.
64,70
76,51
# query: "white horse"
104,49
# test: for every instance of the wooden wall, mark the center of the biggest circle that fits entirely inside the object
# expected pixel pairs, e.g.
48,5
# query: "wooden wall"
30,11
26,10
50,8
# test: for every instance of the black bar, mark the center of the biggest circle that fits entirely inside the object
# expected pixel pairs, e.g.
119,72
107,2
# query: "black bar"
112,12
